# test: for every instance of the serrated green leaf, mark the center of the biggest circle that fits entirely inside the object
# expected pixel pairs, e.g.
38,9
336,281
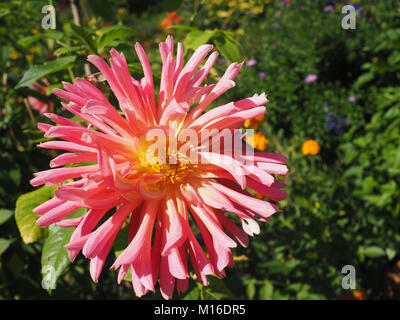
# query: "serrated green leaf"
37,72
24,216
5,214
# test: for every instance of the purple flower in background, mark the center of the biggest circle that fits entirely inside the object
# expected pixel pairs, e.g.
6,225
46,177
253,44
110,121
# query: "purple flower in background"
352,99
311,78
335,123
273,46
251,62
262,74
329,9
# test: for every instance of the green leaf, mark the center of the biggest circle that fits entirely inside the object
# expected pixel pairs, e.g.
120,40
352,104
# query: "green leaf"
116,32
391,253
49,89
55,258
24,216
84,37
182,27
228,48
5,214
37,72
68,50
50,34
251,289
196,38
4,244
193,294
363,79
266,291
374,252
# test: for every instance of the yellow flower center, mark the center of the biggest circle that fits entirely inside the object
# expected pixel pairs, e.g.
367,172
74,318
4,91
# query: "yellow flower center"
173,166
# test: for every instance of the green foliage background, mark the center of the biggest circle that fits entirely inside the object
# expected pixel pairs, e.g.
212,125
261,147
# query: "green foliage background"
343,205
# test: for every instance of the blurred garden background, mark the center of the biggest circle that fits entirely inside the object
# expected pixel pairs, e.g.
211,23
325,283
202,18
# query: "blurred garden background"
334,111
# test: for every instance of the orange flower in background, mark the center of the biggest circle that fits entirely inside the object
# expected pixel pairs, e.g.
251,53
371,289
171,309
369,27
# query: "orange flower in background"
165,23
254,123
14,55
359,294
257,141
310,147
170,19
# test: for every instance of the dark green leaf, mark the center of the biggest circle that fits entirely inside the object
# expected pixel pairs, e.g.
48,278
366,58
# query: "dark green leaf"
84,37
4,244
50,34
114,33
5,214
37,72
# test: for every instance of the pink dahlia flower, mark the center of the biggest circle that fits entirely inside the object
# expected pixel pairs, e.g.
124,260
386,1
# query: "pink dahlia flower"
168,201
35,103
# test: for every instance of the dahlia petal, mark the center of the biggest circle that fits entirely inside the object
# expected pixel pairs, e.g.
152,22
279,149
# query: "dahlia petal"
108,230
54,176
175,232
69,96
70,158
212,226
268,157
233,229
108,74
123,271
189,69
69,223
272,192
66,145
148,75
56,214
175,264
273,168
132,252
203,72
47,206
167,281
138,287
228,163
83,230
263,208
